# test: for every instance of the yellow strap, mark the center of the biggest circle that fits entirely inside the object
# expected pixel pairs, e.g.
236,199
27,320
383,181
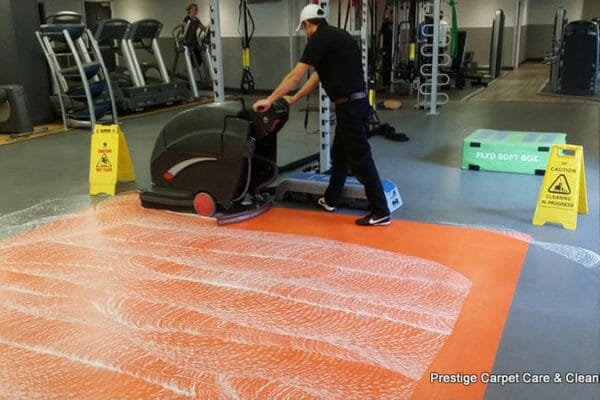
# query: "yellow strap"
246,57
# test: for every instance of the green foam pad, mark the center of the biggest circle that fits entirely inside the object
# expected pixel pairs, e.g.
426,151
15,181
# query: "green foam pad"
509,151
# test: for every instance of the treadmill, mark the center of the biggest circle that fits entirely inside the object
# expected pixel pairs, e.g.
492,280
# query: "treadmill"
110,35
142,90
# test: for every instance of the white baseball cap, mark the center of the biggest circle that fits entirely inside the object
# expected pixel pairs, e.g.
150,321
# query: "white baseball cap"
309,12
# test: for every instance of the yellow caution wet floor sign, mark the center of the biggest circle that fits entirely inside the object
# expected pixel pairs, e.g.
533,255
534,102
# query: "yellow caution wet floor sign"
110,161
563,194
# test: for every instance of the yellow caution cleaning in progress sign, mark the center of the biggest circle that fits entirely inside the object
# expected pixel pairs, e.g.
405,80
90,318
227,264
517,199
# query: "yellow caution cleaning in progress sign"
109,160
563,194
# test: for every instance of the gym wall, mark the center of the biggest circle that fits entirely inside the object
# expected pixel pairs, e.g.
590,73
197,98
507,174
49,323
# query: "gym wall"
540,23
524,32
591,9
22,61
476,17
54,6
537,24
276,46
270,47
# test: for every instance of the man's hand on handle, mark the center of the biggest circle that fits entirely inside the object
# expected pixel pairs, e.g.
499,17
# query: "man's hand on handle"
287,84
262,105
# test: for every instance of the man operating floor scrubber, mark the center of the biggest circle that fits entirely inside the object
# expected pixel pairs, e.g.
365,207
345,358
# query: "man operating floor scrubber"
337,61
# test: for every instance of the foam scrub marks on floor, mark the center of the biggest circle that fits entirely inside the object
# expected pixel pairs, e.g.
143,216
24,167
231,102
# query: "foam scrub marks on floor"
24,220
579,255
124,302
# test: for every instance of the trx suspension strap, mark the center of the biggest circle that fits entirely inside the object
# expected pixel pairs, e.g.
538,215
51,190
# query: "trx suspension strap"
247,84
347,14
372,54
373,38
453,50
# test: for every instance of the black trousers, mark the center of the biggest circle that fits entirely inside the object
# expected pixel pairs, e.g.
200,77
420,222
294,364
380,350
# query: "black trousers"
197,59
351,149
386,68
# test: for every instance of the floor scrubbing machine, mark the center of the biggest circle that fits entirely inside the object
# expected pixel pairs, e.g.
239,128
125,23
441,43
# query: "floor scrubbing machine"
218,160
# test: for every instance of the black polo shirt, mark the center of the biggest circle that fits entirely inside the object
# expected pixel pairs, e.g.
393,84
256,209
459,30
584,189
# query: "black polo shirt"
195,19
336,58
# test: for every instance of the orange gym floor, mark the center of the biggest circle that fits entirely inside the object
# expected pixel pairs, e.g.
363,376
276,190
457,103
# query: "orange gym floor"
122,302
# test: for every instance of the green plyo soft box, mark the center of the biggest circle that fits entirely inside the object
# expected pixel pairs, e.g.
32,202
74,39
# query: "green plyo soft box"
507,151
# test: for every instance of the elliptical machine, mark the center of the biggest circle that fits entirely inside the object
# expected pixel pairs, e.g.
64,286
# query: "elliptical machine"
194,45
552,57
218,160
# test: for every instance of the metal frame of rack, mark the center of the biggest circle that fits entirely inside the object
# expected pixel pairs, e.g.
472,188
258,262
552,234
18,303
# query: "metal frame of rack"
429,95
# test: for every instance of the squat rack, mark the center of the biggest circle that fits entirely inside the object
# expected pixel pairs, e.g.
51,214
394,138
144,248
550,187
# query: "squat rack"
325,102
217,52
416,36
324,115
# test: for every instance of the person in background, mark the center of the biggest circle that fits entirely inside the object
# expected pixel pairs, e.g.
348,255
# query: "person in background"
337,61
426,32
444,33
192,15
385,46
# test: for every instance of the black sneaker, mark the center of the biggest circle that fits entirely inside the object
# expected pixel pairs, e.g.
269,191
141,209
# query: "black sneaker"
326,206
373,220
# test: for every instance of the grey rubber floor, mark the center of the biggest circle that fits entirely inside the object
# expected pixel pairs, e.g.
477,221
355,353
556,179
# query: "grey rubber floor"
554,321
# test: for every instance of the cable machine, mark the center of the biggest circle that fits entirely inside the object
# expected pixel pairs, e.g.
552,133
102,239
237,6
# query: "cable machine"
216,52
406,17
580,59
416,51
496,45
553,56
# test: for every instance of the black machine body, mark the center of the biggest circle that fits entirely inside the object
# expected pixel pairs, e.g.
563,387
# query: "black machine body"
217,159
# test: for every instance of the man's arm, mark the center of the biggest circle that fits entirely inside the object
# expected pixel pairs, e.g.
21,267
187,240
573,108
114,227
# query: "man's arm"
307,89
287,84
290,81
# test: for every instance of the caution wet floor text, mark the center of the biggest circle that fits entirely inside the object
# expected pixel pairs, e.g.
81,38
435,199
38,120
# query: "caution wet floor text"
110,161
